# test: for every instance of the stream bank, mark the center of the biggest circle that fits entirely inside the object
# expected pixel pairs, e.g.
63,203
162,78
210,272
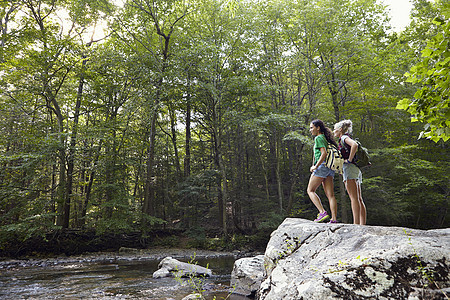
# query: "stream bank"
126,274
73,242
124,254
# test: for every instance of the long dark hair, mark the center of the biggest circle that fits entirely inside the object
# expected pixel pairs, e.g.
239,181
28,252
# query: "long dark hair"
325,130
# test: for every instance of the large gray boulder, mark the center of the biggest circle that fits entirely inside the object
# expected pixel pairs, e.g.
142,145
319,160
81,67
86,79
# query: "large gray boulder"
169,266
306,260
247,275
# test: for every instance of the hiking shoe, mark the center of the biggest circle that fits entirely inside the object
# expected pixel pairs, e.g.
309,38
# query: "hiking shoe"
332,222
322,217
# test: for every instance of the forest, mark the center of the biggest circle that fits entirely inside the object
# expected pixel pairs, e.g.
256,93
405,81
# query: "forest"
143,115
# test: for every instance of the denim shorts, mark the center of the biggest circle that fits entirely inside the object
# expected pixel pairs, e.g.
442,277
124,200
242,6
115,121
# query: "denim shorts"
323,172
351,171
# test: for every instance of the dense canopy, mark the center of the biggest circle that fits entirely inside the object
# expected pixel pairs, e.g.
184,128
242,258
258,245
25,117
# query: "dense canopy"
195,114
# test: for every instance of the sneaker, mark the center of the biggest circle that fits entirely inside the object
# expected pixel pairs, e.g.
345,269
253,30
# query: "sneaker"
332,222
322,217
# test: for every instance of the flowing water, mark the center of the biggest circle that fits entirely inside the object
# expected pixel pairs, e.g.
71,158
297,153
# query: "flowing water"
112,279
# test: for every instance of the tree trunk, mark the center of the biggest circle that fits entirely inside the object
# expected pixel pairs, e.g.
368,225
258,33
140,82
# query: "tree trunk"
187,158
88,191
149,194
173,137
53,195
223,205
279,189
73,141
218,159
152,12
63,207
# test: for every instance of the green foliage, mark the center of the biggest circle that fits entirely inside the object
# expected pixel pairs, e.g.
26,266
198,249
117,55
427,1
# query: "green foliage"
271,221
25,229
409,188
197,238
431,101
299,137
169,242
194,197
195,115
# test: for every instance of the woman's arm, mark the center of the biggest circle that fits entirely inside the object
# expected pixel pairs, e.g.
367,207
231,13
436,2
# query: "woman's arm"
323,155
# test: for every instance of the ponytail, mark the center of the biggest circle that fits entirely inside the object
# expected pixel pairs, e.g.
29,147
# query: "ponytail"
326,131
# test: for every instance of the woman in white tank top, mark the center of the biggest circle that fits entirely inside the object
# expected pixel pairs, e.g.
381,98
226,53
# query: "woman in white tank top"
351,173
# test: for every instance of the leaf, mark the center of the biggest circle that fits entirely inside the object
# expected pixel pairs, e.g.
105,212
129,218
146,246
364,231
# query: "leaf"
427,52
418,94
403,104
438,21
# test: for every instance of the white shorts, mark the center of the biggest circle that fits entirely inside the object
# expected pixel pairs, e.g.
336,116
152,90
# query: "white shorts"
351,171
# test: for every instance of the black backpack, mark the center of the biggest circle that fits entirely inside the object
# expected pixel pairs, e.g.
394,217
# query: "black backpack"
361,159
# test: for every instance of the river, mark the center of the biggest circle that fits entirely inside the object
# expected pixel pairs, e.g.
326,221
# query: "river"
109,277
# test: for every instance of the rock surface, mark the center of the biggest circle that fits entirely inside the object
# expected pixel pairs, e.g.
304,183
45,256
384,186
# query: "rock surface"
169,265
247,275
306,260
192,297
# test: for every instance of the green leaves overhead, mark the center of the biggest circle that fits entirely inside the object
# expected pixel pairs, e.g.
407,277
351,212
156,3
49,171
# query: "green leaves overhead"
431,75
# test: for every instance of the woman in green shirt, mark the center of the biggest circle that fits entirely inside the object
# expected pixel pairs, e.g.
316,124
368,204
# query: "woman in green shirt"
320,173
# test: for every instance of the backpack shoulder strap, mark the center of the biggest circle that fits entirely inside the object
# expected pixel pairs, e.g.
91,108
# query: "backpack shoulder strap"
342,141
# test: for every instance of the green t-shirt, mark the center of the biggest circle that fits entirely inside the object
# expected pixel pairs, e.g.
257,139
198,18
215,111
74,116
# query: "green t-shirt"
319,142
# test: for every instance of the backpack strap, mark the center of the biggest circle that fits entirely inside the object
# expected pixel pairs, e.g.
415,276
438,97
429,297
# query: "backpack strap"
345,148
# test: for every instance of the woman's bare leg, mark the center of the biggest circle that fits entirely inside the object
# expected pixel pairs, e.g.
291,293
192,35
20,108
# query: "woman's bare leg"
362,206
314,183
352,189
328,187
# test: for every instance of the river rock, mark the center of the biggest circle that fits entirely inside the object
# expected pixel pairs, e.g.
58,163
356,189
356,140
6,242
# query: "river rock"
168,266
247,275
307,260
193,296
